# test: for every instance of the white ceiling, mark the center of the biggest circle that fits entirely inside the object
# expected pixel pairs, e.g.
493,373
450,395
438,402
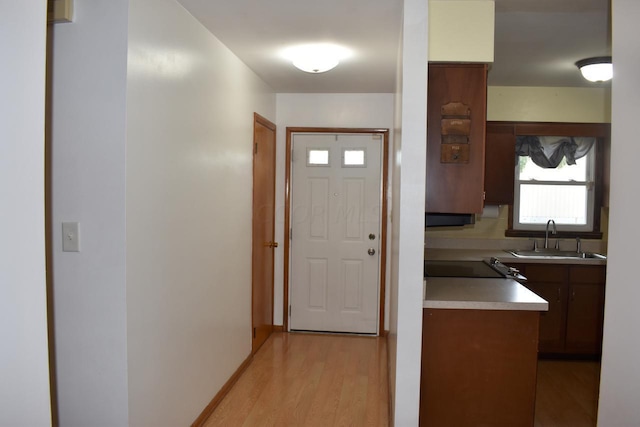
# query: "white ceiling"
537,42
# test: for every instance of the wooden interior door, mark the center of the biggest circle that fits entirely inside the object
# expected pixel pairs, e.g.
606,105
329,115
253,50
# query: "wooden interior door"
264,170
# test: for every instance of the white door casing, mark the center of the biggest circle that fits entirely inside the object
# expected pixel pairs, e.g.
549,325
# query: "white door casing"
335,232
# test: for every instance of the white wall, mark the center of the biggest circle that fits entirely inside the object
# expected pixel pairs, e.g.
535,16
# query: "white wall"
405,333
620,376
190,105
24,362
152,135
352,110
88,181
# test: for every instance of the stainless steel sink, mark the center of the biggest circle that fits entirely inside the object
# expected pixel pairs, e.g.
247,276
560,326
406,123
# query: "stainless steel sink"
555,254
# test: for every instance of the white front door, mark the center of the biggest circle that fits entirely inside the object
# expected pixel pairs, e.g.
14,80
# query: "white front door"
335,232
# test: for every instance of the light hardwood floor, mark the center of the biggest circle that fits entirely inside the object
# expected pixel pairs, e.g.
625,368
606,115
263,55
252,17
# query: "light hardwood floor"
310,380
567,393
334,380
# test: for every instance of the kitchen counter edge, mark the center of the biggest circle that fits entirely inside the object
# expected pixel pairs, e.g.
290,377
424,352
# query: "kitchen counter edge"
463,293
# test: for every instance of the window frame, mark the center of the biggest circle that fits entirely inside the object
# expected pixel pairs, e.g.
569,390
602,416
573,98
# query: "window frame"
591,202
602,133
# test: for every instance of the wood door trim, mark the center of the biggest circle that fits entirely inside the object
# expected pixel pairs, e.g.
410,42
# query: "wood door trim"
264,121
383,217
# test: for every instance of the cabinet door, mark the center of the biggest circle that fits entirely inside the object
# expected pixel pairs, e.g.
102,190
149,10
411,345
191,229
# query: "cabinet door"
550,283
478,368
500,163
586,309
455,184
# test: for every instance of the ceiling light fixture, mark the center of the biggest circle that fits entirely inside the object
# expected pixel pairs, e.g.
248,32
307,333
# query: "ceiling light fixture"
316,58
597,69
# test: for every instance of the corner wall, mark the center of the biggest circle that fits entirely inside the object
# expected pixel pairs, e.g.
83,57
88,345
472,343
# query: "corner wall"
620,376
189,166
88,121
408,197
152,133
24,358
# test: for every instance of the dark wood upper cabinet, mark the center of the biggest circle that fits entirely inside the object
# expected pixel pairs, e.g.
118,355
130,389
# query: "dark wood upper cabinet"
456,118
500,163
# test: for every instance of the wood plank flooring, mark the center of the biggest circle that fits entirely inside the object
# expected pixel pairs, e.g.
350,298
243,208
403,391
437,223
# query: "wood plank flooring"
567,393
310,380
335,380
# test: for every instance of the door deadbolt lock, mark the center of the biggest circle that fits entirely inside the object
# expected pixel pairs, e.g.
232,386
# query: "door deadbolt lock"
372,236
371,251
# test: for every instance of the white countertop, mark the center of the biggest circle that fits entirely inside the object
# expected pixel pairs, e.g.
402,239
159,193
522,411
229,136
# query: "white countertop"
480,294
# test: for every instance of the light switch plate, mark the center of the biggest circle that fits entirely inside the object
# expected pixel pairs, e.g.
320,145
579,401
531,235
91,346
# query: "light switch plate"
71,237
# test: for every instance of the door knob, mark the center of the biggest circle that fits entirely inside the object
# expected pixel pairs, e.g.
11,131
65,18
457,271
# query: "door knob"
271,244
371,251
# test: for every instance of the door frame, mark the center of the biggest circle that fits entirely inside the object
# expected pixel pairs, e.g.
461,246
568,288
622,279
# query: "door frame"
383,214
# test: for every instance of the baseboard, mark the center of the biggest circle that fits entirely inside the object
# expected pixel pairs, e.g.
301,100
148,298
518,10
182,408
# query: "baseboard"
206,413
278,328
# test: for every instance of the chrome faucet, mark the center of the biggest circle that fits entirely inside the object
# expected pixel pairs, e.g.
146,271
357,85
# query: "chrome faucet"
546,233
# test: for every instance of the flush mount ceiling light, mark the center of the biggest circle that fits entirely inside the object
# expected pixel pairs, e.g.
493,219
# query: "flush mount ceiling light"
597,69
316,58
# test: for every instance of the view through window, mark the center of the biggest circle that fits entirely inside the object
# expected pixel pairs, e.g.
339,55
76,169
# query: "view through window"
564,193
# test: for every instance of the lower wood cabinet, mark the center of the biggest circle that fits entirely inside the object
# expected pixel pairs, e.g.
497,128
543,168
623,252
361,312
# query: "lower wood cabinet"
573,324
585,309
478,368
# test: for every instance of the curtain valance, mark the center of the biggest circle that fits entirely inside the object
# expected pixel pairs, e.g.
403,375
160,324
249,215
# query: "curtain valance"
548,151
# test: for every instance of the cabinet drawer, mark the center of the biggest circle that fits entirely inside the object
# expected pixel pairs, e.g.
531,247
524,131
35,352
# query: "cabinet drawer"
587,274
546,273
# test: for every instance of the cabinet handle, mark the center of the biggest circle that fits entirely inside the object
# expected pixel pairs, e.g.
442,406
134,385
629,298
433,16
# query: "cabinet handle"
559,293
573,295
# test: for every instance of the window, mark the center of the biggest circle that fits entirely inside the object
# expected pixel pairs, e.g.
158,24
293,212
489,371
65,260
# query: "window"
554,179
317,157
354,157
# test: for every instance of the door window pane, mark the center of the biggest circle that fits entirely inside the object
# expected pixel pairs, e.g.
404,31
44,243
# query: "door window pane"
353,157
317,157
